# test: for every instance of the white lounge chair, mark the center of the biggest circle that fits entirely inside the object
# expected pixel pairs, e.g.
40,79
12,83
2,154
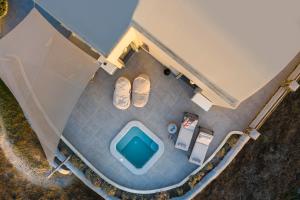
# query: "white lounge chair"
140,90
186,132
121,98
200,148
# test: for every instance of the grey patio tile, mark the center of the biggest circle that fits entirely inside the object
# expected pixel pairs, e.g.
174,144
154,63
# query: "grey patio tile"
72,127
93,92
81,118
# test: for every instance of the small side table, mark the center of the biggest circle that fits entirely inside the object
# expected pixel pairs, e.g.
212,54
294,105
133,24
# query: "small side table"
172,130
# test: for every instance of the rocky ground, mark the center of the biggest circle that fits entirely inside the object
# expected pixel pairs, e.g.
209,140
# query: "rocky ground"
268,168
14,186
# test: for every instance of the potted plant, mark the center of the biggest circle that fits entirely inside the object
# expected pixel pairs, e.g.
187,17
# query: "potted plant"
3,8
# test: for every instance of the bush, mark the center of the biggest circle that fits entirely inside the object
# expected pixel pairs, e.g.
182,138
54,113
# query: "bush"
179,191
221,153
126,196
98,182
233,140
196,178
3,8
64,149
94,178
109,189
209,166
89,174
162,196
78,163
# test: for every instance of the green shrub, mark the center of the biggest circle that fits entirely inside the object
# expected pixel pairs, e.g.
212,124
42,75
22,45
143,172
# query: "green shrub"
162,196
221,153
64,149
109,189
233,140
196,178
126,196
3,8
179,191
209,166
77,162
88,173
94,178
98,182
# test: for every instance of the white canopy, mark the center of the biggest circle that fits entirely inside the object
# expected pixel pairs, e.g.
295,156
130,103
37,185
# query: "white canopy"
46,73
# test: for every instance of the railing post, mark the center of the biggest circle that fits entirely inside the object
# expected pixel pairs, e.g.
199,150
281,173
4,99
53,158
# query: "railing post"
292,85
252,133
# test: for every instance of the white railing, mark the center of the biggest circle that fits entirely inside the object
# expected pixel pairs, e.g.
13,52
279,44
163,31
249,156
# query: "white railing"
275,100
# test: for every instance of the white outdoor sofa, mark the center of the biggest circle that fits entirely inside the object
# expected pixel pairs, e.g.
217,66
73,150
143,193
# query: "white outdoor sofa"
186,132
141,90
121,98
200,148
202,101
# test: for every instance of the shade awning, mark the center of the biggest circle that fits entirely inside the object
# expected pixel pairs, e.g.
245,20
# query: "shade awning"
46,73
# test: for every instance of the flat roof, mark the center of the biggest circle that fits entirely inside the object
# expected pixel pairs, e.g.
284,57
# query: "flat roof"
238,46
100,23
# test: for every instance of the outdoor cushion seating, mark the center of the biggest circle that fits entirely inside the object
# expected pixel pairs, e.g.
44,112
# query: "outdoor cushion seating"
140,90
186,131
202,101
121,98
200,148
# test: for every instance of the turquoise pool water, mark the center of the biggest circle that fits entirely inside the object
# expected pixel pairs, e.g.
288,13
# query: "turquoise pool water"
137,147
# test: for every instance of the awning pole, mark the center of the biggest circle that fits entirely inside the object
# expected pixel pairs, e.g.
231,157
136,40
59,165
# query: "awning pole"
58,167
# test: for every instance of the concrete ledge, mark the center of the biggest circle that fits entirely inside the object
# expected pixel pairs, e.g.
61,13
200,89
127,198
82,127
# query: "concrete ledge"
293,86
253,133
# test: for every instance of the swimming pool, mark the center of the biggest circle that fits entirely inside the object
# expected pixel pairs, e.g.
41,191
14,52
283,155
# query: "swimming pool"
136,147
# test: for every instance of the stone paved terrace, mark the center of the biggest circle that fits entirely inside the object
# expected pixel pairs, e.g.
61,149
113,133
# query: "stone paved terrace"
94,122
